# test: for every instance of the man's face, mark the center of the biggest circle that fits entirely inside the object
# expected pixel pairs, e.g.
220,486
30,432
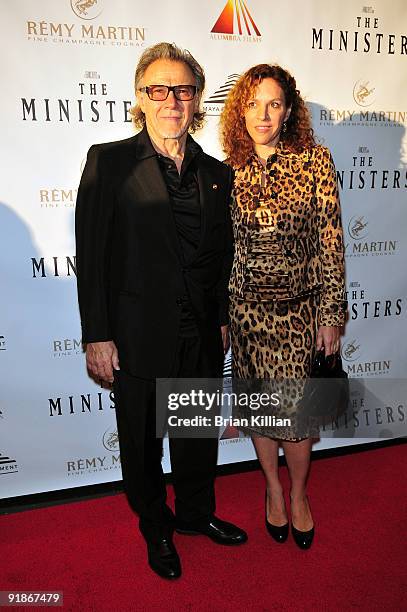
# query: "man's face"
168,118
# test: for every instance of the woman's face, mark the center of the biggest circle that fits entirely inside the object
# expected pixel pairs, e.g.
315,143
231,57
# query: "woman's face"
266,112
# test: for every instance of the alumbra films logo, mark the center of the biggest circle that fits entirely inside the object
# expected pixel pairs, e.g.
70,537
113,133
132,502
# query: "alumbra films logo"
87,9
235,13
362,93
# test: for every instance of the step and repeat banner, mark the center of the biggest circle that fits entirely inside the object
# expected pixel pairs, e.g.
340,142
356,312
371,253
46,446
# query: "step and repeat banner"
67,70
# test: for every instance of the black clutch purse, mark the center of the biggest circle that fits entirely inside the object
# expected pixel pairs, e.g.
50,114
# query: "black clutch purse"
326,392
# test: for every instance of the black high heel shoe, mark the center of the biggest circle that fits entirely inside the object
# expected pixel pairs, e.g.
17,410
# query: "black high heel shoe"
303,539
279,534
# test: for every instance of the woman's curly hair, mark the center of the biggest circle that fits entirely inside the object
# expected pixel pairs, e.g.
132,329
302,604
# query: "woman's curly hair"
235,139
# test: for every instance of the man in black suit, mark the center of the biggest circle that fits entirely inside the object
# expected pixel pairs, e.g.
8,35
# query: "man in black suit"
154,252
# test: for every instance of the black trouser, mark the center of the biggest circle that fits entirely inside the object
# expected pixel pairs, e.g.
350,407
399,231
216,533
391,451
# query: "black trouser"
193,460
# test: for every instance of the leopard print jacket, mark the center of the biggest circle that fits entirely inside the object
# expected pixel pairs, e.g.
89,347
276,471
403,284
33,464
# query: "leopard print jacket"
288,232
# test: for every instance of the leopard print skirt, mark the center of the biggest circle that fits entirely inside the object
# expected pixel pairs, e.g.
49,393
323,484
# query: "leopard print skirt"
275,341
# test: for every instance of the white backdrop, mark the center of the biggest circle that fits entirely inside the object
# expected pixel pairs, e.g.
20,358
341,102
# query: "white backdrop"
67,81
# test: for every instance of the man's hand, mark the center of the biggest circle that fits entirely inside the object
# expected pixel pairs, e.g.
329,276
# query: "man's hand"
225,338
328,339
101,359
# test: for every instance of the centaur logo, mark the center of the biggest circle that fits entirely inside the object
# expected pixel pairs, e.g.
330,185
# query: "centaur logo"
86,9
358,246
111,440
235,18
362,93
80,33
357,228
351,350
101,463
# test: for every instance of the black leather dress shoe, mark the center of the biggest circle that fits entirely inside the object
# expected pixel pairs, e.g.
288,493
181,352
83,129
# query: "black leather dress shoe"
278,533
219,531
163,558
303,539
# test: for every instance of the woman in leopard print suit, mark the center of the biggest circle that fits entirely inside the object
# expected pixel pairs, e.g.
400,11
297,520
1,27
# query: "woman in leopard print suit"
287,282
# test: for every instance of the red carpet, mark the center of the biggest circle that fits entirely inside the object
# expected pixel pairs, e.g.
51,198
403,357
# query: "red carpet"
93,552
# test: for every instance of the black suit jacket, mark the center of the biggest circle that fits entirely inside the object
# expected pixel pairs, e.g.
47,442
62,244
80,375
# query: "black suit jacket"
130,273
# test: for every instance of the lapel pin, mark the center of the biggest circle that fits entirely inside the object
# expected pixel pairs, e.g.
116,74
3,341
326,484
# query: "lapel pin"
214,186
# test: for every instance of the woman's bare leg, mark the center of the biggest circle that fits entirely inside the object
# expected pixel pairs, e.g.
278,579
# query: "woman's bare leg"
267,452
298,456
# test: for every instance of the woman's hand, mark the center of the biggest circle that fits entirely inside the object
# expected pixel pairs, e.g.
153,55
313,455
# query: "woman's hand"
328,339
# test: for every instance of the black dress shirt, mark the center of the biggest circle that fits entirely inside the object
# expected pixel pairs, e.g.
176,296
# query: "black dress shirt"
183,190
